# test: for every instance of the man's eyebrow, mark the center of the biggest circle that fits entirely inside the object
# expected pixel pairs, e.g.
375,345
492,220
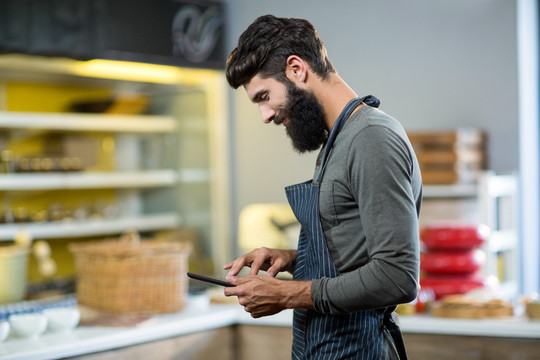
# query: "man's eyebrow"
257,97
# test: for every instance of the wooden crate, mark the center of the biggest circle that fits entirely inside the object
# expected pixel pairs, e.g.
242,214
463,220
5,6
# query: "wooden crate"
450,157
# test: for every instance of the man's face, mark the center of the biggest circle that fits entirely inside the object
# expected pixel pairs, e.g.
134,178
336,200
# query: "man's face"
297,109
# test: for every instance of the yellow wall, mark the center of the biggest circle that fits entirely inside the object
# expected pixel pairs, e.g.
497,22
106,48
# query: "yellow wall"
49,97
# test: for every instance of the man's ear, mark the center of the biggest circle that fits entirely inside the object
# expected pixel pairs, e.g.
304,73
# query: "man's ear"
296,69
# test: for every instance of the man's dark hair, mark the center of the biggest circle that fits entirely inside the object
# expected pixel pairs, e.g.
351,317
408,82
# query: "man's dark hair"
263,48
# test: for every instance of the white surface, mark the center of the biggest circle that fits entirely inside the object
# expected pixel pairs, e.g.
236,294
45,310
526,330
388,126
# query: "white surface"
200,316
91,227
450,191
515,327
88,180
85,340
88,122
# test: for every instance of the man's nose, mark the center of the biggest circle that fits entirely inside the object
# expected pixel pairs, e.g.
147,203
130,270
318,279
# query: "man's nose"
267,113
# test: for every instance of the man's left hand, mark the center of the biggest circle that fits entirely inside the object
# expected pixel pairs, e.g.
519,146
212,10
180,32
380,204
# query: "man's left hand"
263,295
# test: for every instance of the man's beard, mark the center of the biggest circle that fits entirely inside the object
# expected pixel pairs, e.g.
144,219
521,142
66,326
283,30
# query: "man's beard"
305,119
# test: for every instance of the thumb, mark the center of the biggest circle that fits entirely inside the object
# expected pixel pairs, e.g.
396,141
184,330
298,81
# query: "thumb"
236,280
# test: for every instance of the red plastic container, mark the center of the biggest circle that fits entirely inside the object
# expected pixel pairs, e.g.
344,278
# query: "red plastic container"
453,236
450,285
452,263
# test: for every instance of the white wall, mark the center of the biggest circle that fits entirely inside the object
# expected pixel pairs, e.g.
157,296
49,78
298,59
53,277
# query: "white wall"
434,65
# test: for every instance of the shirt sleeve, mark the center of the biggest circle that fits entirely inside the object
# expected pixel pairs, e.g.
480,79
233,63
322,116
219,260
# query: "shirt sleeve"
380,177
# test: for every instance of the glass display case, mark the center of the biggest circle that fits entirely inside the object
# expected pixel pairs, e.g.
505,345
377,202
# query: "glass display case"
95,148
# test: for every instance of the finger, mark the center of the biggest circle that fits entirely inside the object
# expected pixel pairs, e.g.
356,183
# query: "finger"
237,280
235,269
254,312
244,302
256,266
259,261
231,291
237,290
274,269
236,266
256,315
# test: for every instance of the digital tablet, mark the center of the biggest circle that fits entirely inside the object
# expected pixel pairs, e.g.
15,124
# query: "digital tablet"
208,279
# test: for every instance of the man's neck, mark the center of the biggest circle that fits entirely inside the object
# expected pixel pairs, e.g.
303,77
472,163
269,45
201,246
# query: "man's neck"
333,94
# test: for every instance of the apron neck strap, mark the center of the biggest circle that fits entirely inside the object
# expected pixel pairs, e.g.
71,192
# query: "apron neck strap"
345,113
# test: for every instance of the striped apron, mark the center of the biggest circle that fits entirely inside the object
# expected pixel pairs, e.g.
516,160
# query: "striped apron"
357,335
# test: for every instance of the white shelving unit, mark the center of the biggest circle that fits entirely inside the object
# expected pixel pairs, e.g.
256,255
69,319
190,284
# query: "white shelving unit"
457,202
491,201
498,205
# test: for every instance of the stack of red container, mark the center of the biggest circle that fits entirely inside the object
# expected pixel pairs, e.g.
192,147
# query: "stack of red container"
451,259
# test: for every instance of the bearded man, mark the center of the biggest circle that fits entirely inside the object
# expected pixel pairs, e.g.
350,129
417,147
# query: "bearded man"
358,251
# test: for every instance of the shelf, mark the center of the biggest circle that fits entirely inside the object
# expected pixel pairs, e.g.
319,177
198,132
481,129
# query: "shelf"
100,180
88,122
193,175
70,181
450,191
97,227
507,290
502,240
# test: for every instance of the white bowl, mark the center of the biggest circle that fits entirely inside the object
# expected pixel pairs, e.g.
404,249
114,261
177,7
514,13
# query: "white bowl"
62,319
4,330
28,325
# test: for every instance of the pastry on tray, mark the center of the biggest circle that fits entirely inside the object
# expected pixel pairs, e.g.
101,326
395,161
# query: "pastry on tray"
463,307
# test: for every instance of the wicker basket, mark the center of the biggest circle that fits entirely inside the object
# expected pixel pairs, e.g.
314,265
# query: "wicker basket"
129,276
532,310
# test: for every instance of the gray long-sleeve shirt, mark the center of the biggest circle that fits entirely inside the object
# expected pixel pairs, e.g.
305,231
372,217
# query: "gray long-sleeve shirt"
370,198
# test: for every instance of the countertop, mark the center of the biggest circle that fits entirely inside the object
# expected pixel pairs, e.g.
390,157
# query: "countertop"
200,315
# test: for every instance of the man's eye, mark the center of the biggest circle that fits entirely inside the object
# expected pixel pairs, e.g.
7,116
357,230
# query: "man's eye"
264,97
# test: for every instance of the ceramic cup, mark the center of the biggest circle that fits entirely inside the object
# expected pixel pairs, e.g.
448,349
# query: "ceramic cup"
28,325
62,319
4,330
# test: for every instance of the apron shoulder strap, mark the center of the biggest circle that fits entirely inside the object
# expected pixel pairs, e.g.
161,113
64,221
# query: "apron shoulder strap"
345,113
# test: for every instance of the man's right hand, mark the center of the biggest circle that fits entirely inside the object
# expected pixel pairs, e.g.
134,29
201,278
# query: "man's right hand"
272,261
